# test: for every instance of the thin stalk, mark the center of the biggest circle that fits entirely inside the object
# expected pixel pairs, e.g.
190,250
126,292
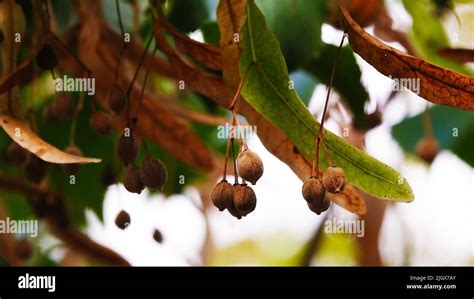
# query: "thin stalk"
142,92
427,123
236,175
319,136
237,94
229,138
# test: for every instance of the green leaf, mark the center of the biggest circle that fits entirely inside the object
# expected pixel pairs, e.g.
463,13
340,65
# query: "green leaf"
266,89
446,121
210,33
188,15
297,26
346,80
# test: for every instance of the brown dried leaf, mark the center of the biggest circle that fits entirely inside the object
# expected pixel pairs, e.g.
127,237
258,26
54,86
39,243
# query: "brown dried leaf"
21,134
230,17
459,55
205,54
437,85
364,12
155,121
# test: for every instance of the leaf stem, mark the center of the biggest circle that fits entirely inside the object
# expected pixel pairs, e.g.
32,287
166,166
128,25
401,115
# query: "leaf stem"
427,123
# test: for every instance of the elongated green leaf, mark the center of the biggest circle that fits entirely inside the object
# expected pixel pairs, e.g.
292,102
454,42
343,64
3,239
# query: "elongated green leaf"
266,89
297,26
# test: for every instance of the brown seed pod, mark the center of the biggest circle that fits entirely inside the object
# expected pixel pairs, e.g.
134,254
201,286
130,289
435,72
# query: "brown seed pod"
313,191
122,220
131,179
46,58
117,99
153,173
233,211
35,169
249,166
72,168
126,149
334,180
23,249
101,123
16,154
231,208
222,195
60,108
245,199
427,149
158,236
322,206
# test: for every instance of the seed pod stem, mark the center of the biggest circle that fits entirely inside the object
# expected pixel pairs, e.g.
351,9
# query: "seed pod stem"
229,138
237,94
236,174
427,124
319,136
142,92
135,76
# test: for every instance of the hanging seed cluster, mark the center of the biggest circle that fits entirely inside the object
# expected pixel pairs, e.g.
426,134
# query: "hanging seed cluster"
239,199
314,190
333,180
46,58
151,173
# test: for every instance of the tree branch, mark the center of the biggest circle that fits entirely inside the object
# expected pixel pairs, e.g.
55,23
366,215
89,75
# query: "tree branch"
51,206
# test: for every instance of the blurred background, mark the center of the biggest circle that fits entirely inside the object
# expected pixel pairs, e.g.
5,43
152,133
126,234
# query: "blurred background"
437,228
